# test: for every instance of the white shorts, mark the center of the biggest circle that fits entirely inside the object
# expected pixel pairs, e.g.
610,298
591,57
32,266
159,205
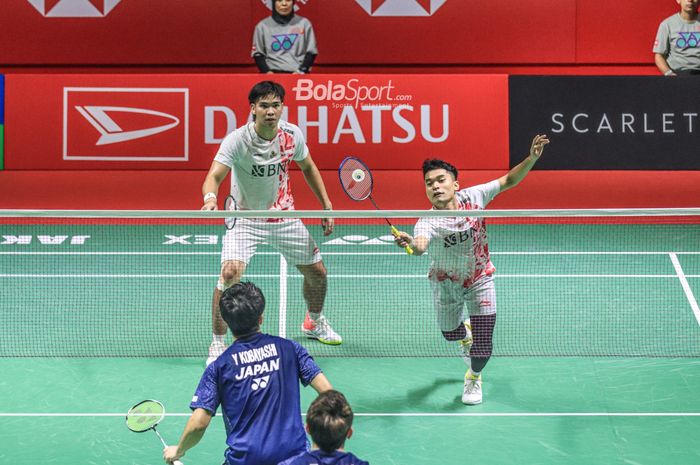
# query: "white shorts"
290,238
453,300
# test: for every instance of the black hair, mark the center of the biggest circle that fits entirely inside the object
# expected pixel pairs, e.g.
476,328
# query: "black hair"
263,89
241,306
436,164
329,419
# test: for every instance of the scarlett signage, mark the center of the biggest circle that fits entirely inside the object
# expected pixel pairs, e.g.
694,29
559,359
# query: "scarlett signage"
611,122
137,124
391,121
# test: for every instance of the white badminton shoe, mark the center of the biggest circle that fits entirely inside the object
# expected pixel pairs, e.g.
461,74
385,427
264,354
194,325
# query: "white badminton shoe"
215,349
320,330
472,389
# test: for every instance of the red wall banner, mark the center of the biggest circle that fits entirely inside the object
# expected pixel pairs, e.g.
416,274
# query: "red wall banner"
379,32
136,122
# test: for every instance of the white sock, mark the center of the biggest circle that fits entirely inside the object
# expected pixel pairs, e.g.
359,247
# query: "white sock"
474,374
219,338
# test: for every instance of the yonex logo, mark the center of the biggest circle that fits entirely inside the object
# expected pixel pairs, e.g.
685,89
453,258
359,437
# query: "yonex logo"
74,8
260,383
112,132
401,7
688,39
283,41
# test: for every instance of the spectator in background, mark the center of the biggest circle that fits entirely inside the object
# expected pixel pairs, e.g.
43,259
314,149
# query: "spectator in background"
284,42
677,44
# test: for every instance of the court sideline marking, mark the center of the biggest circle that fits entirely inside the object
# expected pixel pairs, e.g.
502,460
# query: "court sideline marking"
686,287
417,414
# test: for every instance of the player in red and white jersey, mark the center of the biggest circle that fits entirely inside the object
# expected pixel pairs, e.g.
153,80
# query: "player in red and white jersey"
461,272
259,156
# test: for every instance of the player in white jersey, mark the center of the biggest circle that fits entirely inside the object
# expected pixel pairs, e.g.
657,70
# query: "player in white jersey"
461,270
259,156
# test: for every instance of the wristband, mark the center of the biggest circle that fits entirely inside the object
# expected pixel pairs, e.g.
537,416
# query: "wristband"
209,196
668,73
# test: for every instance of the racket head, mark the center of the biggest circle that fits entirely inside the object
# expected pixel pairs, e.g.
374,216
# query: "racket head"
145,415
355,178
230,205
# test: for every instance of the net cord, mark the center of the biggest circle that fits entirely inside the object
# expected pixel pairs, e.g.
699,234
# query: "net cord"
537,213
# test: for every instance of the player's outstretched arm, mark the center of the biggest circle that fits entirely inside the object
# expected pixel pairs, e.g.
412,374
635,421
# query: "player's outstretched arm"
518,172
194,430
418,244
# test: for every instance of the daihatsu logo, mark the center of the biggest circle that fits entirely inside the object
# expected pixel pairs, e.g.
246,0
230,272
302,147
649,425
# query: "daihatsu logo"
112,132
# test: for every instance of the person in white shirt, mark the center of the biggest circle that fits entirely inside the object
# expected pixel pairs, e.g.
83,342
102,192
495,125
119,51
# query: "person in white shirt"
461,272
259,156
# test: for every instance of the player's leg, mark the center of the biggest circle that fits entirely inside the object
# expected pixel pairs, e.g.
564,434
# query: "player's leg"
297,246
480,301
449,303
239,245
315,325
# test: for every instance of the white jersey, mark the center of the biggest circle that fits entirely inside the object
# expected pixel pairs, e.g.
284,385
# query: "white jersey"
458,246
260,167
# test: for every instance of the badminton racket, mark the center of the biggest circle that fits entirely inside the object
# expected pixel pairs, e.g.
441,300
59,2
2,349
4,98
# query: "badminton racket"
145,416
357,182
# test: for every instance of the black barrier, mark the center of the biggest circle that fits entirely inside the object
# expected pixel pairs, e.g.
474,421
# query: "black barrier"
607,122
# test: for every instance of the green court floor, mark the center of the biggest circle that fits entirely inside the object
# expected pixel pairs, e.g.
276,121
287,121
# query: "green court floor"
597,345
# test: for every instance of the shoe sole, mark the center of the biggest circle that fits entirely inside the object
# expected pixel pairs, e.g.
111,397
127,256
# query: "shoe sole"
323,341
470,403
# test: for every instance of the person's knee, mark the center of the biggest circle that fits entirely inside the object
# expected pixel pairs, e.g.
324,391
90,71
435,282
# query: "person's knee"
457,334
316,273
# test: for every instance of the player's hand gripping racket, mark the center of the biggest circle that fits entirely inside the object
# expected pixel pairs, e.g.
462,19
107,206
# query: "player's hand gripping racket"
230,205
145,416
356,180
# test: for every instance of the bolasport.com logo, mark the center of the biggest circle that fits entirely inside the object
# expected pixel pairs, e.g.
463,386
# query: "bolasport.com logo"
74,8
349,93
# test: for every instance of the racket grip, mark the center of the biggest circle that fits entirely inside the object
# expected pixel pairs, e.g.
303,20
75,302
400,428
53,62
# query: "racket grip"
395,232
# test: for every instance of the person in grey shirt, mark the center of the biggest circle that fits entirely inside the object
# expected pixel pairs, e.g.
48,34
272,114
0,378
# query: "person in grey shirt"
677,44
284,42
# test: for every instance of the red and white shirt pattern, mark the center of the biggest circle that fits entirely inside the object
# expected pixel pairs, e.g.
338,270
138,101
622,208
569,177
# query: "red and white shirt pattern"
458,246
260,168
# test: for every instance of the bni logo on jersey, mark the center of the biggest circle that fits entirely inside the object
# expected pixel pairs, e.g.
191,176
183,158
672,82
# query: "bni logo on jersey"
400,7
125,124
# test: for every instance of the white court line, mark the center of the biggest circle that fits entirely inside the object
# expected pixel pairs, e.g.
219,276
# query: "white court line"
283,298
341,253
416,414
331,276
686,287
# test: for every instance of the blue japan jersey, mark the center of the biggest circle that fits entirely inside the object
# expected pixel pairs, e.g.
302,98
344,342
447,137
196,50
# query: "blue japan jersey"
256,382
318,457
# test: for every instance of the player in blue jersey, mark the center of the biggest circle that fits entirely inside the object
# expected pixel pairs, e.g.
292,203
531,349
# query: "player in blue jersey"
256,382
329,421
